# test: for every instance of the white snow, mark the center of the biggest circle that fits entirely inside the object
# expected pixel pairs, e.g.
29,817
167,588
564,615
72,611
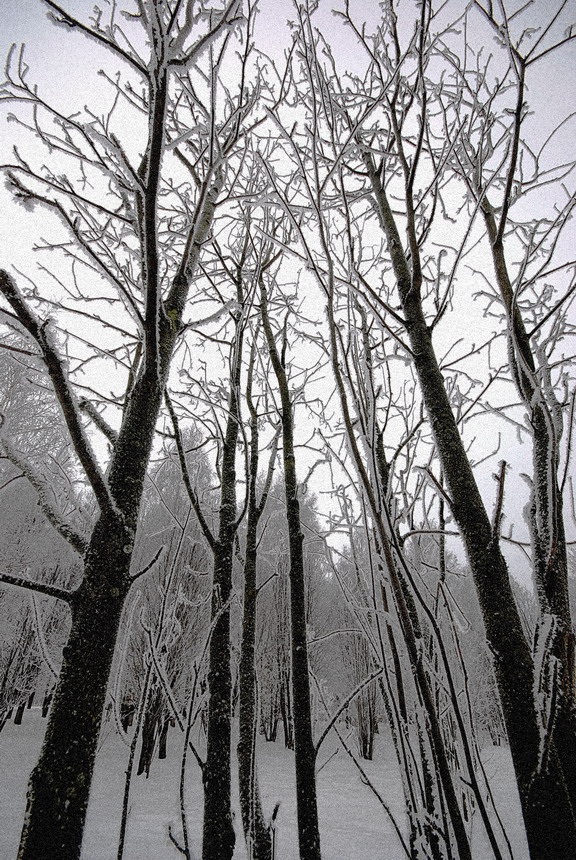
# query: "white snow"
353,824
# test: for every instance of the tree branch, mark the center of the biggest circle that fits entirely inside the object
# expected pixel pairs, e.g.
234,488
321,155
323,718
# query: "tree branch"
62,389
227,20
149,565
40,587
74,24
344,705
500,480
70,534
99,421
206,531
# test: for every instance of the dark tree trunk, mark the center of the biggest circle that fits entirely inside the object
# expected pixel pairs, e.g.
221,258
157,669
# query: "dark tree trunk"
270,719
20,708
59,785
149,733
549,561
218,831
46,701
256,833
126,714
548,815
305,753
286,711
163,739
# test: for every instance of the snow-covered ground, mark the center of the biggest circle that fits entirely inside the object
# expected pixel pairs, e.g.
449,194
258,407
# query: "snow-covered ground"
353,824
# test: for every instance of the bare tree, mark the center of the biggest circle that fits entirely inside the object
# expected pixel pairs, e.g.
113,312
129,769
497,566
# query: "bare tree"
120,232
502,171
256,831
376,139
307,811
547,811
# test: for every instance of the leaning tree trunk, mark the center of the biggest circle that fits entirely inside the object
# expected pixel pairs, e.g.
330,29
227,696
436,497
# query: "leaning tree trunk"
60,783
549,561
548,816
305,753
376,490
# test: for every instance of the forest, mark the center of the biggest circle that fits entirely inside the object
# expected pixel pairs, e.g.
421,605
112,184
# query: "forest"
287,402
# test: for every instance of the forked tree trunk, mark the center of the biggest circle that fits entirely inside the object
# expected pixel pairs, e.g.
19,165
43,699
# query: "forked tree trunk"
60,783
305,753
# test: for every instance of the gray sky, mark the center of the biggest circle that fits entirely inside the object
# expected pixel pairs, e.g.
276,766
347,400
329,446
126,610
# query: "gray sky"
66,65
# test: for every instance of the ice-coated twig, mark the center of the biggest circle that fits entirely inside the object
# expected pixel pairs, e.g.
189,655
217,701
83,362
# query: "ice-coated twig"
358,689
363,774
63,528
62,389
40,636
206,531
60,16
99,421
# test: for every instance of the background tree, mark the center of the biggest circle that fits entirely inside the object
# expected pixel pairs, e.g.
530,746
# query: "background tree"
305,754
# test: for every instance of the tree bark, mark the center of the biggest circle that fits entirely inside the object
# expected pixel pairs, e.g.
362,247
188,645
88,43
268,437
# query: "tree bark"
305,753
255,831
218,831
257,834
59,785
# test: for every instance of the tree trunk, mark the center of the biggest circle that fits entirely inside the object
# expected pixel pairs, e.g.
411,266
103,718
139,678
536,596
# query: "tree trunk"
59,785
256,833
163,739
218,831
258,836
548,815
20,708
286,711
549,555
305,753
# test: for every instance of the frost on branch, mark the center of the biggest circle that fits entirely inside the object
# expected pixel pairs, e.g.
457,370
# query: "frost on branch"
546,668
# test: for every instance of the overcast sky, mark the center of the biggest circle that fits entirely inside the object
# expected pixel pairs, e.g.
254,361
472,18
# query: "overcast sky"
65,65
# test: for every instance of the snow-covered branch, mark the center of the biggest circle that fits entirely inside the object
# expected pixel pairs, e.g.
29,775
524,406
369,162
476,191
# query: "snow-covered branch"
62,388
